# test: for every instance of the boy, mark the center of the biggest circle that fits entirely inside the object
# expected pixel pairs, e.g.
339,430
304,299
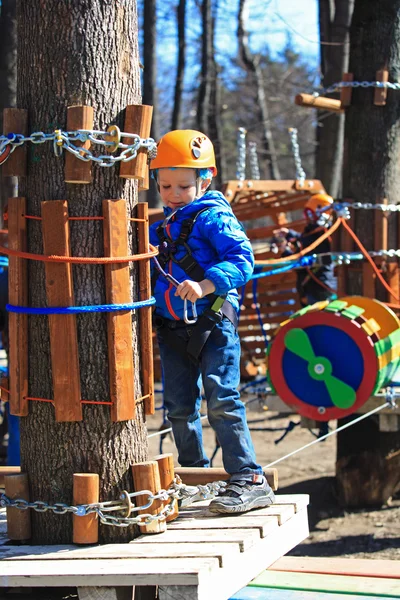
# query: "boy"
316,283
207,255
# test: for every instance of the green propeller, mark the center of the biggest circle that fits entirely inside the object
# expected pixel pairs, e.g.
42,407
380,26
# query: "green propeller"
320,368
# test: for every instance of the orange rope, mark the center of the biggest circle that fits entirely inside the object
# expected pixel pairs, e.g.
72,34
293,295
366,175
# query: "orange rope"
321,283
78,259
304,251
369,259
84,218
3,389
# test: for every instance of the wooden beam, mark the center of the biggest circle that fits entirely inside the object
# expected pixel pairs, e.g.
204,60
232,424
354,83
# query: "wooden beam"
145,314
18,295
320,102
137,120
346,92
15,120
119,324
380,94
63,332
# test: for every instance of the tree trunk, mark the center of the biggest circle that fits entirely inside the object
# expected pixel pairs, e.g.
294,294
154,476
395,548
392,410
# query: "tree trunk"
8,78
252,65
214,117
76,52
150,84
368,472
204,97
334,20
180,71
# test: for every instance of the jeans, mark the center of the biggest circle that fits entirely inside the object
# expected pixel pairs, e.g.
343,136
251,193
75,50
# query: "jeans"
219,371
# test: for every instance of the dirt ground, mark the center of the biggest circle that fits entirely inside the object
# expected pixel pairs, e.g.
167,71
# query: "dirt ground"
333,531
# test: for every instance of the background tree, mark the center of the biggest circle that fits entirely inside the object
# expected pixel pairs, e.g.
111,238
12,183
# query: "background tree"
180,70
334,24
368,461
66,57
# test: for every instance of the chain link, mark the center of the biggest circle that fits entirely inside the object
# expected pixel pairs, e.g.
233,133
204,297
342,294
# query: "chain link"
357,84
367,206
185,494
63,140
241,159
300,173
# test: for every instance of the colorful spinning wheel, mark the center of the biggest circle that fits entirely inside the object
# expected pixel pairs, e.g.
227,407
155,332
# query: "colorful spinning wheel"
328,359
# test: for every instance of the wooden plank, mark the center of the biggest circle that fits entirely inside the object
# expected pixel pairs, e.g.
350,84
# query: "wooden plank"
245,538
63,332
119,324
283,512
264,524
8,471
145,314
368,586
258,593
226,553
76,170
105,572
137,120
249,565
18,296
339,566
368,280
15,120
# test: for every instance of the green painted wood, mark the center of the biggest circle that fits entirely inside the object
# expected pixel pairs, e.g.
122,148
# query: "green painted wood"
352,312
262,593
336,306
367,586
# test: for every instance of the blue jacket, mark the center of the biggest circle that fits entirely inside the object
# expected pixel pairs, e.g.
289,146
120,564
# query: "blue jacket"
219,245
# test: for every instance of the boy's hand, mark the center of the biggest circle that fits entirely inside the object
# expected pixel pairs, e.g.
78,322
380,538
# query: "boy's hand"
281,231
193,290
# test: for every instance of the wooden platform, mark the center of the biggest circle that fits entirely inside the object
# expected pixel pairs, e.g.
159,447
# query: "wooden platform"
200,557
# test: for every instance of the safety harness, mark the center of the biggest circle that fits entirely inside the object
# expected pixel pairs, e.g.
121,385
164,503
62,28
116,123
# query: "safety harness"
219,308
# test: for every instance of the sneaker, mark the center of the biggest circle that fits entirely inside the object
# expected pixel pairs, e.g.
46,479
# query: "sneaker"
241,496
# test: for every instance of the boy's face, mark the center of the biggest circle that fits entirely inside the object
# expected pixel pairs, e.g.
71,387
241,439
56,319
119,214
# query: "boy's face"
177,186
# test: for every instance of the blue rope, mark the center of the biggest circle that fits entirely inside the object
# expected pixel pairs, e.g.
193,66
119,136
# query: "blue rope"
259,317
304,261
65,310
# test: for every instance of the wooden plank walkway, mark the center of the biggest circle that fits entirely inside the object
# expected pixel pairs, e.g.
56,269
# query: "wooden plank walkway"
201,556
330,578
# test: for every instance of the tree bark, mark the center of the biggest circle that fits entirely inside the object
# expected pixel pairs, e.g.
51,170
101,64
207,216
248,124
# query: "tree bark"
180,71
8,78
368,464
204,97
82,52
334,19
252,64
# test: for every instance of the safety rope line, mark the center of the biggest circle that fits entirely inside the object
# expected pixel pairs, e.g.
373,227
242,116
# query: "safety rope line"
333,432
304,251
78,259
66,310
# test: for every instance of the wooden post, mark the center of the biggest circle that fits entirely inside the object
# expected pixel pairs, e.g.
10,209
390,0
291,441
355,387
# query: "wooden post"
76,170
166,469
63,333
119,324
380,94
346,92
137,120
147,477
393,279
85,491
18,521
146,336
310,101
4,394
18,295
15,120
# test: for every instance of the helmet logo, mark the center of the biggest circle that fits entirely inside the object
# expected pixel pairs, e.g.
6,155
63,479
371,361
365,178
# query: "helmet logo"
196,146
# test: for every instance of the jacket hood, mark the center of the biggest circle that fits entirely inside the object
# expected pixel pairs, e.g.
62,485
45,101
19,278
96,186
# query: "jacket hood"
210,199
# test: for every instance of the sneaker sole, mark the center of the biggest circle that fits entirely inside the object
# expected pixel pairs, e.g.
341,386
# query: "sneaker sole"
260,502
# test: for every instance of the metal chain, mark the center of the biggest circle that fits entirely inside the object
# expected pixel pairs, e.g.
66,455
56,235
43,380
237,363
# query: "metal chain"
300,173
63,140
253,160
367,206
241,159
178,491
357,84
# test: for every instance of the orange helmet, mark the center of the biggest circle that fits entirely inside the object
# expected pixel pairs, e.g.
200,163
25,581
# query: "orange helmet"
185,148
316,205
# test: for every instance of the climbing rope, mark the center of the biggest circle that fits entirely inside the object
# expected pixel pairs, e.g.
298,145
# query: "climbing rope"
356,84
241,159
300,173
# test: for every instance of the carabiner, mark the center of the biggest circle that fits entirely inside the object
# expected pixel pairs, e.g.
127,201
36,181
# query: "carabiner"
185,313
